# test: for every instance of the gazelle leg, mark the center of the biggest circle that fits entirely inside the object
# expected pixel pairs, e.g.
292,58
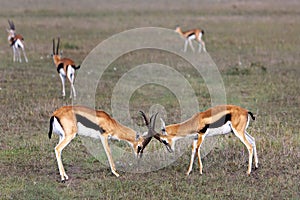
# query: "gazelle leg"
14,52
72,86
19,54
199,49
26,60
104,141
185,45
240,134
203,45
191,45
70,75
63,78
64,141
199,142
252,141
192,157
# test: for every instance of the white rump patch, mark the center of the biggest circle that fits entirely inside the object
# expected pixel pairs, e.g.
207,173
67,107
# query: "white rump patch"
57,128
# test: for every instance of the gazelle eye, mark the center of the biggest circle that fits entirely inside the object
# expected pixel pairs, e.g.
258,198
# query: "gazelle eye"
165,142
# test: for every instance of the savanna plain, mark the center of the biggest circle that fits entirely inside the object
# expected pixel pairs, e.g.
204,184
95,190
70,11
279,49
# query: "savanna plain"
256,46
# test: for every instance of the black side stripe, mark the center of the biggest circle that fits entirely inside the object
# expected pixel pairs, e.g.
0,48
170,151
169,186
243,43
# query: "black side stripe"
60,65
86,122
220,122
191,34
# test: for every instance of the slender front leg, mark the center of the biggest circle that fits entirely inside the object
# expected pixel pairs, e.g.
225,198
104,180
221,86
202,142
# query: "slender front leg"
104,141
19,54
192,157
14,52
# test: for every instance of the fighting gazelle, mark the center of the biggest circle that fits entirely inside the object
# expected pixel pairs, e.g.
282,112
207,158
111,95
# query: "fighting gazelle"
66,120
190,35
16,41
66,69
217,120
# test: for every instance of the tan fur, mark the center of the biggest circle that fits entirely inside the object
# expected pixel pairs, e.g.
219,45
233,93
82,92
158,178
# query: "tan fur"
239,118
67,118
66,61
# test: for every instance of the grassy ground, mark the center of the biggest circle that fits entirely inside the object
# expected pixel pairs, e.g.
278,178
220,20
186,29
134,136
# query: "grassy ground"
256,46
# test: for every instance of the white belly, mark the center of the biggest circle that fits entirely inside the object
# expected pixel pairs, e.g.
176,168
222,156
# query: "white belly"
226,128
88,132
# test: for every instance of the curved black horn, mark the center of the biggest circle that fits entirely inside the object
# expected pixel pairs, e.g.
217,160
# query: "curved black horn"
151,132
53,46
152,121
11,25
145,118
57,48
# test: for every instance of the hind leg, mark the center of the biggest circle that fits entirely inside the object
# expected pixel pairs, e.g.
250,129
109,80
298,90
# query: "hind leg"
64,141
252,141
240,134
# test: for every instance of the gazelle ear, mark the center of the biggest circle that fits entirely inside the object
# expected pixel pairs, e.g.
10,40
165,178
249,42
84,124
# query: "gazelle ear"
163,127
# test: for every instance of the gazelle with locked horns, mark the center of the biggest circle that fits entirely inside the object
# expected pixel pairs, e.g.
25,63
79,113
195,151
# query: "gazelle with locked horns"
190,35
217,120
16,41
68,120
66,69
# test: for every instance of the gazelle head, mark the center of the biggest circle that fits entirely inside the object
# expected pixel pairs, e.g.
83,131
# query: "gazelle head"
55,55
178,29
163,137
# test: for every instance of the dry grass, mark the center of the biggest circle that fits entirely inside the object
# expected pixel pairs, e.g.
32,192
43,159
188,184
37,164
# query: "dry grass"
256,46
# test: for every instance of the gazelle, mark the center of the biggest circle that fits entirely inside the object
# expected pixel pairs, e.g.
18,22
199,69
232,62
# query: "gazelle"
217,120
66,69
65,122
194,34
16,41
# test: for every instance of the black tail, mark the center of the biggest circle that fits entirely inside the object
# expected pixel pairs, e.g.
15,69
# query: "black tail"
202,31
251,114
76,67
51,127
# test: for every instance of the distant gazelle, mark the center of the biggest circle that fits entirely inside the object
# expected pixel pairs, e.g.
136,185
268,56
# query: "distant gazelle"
190,35
217,120
66,69
16,41
98,124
